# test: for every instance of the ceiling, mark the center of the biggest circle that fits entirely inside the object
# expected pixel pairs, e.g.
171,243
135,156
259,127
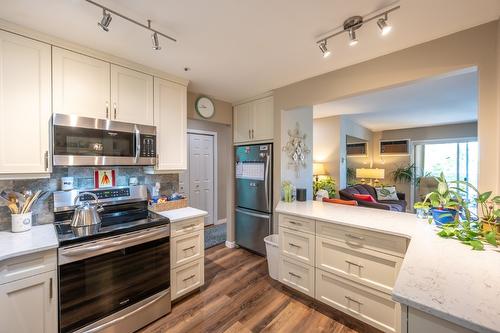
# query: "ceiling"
238,49
448,99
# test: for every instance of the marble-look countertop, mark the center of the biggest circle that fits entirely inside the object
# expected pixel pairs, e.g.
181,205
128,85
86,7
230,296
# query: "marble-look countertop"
181,214
39,238
439,276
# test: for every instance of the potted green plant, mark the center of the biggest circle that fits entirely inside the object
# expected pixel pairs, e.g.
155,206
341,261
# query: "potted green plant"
326,183
445,202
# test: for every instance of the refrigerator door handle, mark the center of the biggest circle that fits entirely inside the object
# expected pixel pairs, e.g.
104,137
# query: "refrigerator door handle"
266,183
262,216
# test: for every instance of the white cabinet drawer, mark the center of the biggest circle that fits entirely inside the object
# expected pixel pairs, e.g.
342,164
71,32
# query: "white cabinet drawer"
374,269
186,248
371,306
187,277
297,245
27,265
297,223
297,275
187,226
363,239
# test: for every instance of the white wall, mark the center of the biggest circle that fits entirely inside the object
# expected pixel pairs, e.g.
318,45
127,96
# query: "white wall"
304,117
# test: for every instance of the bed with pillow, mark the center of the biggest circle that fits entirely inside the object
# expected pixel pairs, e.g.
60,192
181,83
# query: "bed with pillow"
380,198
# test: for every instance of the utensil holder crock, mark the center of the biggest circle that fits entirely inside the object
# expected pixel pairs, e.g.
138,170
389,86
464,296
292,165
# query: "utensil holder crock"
21,222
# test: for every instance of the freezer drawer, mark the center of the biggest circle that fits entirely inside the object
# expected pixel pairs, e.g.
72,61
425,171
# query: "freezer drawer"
251,228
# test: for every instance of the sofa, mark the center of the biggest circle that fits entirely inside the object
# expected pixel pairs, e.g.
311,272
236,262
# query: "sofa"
393,205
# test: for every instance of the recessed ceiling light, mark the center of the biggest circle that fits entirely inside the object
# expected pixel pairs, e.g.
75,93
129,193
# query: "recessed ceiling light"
105,20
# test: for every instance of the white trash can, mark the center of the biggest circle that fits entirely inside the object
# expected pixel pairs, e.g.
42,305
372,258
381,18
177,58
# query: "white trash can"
272,252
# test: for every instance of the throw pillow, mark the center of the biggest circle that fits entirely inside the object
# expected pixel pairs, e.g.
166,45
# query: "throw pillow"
387,193
364,197
342,202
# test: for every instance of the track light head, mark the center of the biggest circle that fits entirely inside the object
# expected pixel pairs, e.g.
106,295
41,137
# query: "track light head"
383,26
353,40
324,49
156,42
105,20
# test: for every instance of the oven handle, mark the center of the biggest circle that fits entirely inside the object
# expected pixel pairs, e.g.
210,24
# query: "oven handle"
107,244
137,144
125,316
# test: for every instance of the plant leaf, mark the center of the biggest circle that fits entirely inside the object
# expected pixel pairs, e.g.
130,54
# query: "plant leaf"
496,199
484,196
490,237
476,245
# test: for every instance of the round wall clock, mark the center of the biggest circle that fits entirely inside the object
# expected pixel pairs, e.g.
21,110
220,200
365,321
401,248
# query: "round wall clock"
204,107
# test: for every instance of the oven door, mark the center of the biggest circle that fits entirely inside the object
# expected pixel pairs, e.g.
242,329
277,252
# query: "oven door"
100,279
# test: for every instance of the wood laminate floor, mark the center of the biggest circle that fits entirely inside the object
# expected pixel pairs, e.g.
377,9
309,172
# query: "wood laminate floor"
239,296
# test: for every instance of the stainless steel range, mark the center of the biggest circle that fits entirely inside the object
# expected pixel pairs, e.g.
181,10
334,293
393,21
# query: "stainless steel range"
114,272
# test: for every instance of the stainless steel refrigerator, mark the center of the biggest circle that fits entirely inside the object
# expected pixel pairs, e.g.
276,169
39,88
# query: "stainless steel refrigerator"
254,195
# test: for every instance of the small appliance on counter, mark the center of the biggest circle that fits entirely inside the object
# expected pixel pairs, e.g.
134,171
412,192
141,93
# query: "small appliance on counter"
113,260
253,198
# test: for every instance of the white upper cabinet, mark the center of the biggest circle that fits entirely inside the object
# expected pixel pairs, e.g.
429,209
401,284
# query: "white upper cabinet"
263,119
81,84
131,96
254,121
25,105
170,118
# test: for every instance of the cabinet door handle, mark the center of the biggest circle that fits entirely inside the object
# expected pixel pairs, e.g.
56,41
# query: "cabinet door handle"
189,226
114,109
107,110
355,237
295,245
188,278
249,134
51,291
294,222
252,134
295,275
353,300
157,163
46,160
353,263
189,248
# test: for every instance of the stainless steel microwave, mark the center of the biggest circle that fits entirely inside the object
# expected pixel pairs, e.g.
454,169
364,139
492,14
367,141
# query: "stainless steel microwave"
82,141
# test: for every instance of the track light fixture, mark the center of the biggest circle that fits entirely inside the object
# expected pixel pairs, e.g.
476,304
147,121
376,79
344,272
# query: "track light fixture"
324,49
383,26
356,22
105,21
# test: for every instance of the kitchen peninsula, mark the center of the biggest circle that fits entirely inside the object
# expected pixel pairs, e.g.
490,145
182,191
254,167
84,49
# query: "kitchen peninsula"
410,279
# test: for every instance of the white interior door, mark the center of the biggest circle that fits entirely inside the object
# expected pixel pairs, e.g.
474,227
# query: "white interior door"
201,174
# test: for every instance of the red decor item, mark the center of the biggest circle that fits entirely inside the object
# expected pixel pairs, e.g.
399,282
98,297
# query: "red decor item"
104,178
364,197
341,202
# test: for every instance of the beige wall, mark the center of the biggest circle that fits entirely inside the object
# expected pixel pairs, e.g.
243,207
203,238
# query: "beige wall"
223,110
221,123
472,47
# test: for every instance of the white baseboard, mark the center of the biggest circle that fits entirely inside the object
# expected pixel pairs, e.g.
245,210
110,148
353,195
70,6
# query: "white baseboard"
221,221
231,245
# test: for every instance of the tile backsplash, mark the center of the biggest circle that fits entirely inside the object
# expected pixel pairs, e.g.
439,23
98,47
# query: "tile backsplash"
83,179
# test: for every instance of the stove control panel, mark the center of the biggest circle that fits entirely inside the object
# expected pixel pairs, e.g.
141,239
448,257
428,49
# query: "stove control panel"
107,194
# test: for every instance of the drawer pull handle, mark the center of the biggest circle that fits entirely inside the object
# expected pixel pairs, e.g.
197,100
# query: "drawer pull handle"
189,248
51,290
294,222
355,237
188,278
295,245
189,226
353,300
295,275
353,263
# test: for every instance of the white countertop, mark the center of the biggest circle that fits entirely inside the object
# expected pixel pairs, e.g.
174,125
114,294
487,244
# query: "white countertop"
439,276
181,214
39,238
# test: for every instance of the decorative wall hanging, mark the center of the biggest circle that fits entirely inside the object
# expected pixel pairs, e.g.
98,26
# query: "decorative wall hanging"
296,149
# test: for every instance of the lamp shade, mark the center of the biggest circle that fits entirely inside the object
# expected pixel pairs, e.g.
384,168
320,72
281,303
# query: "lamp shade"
319,169
370,173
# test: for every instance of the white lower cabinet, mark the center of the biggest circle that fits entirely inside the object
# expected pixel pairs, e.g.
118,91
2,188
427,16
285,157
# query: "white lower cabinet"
29,302
187,256
369,305
419,321
297,275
